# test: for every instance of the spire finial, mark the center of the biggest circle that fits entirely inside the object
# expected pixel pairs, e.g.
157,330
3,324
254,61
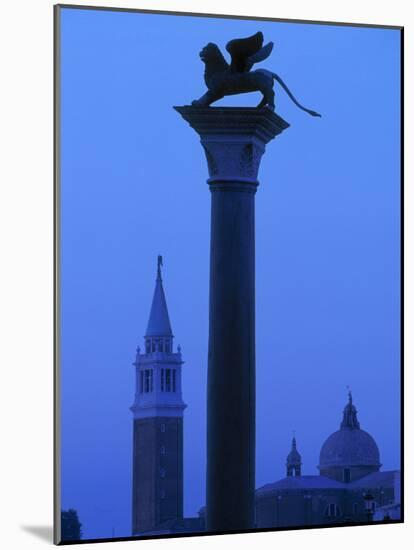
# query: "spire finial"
159,265
349,395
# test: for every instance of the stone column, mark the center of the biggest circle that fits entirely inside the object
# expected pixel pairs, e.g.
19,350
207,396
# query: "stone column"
234,141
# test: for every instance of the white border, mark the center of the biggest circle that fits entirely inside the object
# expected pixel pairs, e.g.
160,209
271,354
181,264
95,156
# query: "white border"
26,296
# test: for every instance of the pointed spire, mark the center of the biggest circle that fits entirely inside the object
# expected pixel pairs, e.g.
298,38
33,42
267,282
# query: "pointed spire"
350,419
159,321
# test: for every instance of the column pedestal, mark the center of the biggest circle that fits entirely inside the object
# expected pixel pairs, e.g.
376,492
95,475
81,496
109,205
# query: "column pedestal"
234,141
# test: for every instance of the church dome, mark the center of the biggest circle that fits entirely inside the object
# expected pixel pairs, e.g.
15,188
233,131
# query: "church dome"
349,447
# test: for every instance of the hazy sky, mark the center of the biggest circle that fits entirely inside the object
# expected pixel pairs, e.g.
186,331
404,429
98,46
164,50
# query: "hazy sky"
133,179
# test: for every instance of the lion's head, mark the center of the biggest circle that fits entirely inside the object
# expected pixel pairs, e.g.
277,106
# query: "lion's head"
211,52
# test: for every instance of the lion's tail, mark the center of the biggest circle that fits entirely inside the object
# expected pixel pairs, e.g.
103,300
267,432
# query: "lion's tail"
292,97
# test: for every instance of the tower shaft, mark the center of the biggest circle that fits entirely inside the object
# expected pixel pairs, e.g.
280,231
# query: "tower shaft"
157,484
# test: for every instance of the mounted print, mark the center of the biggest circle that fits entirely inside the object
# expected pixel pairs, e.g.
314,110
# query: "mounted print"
228,274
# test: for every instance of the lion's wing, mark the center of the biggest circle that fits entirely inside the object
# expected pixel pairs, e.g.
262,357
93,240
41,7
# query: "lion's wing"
241,49
261,55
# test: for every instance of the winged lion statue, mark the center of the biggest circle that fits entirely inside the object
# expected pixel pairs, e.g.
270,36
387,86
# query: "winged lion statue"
223,79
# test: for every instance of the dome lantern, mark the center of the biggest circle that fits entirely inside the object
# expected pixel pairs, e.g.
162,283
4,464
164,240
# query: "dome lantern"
350,419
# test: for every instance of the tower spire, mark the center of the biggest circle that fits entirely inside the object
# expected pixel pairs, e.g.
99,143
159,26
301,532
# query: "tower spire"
159,320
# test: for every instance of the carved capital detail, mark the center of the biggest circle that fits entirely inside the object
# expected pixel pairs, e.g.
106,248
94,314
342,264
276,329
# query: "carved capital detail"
234,139
232,160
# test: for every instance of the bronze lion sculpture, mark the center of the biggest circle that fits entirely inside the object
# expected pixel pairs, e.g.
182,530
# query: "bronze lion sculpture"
223,79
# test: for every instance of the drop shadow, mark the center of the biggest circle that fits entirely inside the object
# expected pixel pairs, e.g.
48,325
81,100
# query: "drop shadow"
43,532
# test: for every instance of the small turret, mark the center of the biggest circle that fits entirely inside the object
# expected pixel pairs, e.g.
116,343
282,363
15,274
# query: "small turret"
293,461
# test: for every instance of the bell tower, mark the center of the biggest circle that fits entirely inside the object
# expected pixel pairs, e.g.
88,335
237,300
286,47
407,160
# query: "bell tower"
157,485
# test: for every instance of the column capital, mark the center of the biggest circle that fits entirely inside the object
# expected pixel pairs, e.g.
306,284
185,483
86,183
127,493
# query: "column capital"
234,140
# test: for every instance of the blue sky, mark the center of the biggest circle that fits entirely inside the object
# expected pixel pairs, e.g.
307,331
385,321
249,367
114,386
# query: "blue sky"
327,242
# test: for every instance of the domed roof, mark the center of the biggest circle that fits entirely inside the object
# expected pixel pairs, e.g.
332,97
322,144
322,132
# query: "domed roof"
349,446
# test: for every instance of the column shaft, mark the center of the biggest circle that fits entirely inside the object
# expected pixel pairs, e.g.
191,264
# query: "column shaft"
234,140
231,359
